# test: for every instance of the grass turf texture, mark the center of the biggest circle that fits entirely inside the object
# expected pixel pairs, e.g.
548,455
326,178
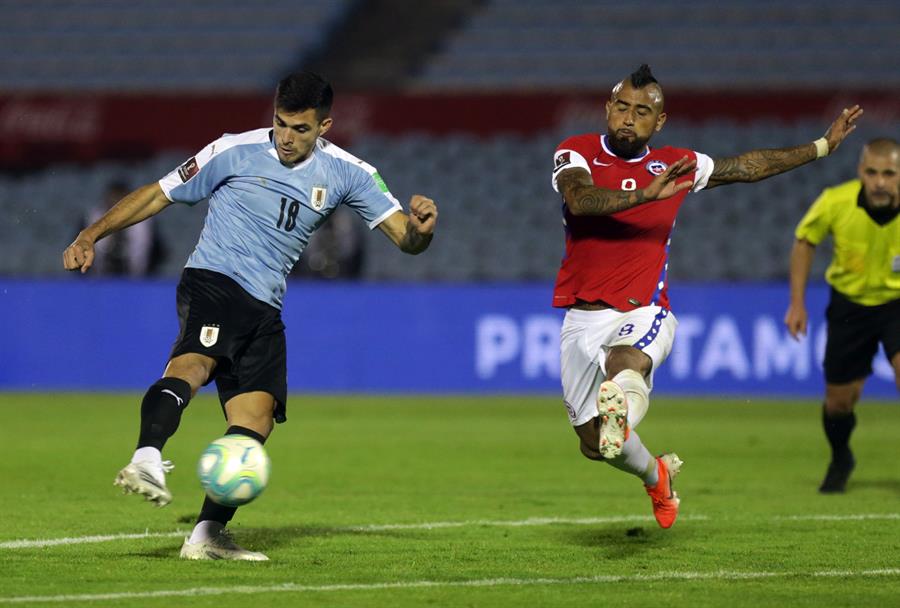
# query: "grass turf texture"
347,462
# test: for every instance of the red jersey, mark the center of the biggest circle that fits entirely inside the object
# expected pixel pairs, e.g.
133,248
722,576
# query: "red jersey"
621,259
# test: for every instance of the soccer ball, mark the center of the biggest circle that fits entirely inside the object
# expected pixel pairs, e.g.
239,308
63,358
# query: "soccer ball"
234,470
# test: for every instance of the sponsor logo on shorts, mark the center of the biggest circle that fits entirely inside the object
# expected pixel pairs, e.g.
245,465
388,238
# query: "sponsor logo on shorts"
317,197
188,169
570,410
657,167
563,159
209,335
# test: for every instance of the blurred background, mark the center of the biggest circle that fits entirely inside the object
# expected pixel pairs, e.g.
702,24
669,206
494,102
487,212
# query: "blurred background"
462,100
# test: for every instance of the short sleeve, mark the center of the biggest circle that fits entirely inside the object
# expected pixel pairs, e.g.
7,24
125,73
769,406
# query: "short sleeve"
198,176
568,156
816,224
703,172
369,196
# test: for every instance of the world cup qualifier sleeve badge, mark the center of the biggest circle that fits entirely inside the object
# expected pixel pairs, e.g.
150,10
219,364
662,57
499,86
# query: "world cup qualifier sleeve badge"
209,335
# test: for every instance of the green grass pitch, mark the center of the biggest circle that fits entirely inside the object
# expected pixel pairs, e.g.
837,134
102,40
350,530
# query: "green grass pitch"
454,501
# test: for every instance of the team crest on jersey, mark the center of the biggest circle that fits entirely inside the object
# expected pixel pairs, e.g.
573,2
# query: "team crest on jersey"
657,167
209,335
188,169
317,197
562,160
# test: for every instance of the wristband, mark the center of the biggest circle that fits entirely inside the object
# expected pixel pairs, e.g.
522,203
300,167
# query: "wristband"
821,145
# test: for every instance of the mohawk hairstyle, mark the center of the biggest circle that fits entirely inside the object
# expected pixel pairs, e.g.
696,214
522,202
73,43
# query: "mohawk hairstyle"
642,77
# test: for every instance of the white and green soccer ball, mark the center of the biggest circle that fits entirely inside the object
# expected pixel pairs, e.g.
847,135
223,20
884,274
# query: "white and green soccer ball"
234,470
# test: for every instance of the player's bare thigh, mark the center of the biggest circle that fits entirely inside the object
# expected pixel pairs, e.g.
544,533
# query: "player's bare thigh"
193,368
253,410
622,357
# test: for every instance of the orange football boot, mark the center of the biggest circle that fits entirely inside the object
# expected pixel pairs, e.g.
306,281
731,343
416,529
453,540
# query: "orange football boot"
665,499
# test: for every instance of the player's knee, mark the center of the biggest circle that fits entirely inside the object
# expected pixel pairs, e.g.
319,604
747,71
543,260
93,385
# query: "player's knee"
194,370
840,405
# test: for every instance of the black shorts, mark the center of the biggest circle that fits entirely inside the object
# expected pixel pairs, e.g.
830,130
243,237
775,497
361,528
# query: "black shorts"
245,336
854,332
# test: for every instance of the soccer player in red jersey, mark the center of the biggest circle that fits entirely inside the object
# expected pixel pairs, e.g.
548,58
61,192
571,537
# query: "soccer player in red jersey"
620,201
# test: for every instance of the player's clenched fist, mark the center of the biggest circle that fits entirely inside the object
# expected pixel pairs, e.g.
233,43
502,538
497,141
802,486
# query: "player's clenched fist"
422,214
79,255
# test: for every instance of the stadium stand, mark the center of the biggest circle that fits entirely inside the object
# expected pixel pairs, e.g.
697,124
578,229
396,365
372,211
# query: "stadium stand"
741,44
158,45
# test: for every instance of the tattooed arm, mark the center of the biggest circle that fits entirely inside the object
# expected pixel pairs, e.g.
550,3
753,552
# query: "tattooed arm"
759,164
584,198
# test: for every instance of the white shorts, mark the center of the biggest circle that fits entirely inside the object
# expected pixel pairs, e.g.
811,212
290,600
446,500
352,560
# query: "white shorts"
585,339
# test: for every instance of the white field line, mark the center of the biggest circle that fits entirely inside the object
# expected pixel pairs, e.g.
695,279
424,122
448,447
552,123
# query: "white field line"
489,582
534,521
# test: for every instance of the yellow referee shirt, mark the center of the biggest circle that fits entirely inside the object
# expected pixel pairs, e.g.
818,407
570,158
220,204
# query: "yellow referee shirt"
866,262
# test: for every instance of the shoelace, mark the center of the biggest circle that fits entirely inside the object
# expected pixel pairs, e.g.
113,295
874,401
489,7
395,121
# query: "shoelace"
167,466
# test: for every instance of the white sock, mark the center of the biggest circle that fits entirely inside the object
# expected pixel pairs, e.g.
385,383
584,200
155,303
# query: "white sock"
637,460
636,392
148,454
205,530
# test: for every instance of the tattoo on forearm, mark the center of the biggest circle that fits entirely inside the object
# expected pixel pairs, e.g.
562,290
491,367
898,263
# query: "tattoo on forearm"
586,199
759,164
414,241
592,201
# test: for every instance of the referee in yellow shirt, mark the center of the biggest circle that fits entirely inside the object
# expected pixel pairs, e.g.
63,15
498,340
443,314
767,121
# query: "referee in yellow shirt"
863,216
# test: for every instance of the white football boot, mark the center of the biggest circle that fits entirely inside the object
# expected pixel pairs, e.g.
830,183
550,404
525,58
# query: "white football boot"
147,479
219,546
613,410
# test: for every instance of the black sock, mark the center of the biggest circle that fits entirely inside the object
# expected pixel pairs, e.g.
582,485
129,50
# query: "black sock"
161,411
837,430
213,511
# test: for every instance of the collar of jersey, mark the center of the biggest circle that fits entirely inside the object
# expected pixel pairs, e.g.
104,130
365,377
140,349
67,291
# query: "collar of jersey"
636,159
274,153
881,217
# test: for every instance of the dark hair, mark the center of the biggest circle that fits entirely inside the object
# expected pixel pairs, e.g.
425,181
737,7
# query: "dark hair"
642,77
303,91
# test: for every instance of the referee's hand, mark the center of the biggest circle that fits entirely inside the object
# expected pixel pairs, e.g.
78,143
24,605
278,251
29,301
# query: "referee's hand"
795,320
79,255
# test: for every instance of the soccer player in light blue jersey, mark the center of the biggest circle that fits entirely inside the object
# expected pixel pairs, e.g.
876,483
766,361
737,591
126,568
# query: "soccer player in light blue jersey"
268,191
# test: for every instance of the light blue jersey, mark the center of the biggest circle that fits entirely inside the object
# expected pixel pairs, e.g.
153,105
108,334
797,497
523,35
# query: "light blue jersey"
262,213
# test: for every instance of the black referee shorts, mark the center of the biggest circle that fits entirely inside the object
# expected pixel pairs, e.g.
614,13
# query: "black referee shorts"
854,332
245,336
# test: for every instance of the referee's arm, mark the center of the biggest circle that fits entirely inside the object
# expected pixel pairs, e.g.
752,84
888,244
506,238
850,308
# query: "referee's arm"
144,202
801,261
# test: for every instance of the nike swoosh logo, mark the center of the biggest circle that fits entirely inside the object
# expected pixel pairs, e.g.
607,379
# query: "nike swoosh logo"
177,398
599,164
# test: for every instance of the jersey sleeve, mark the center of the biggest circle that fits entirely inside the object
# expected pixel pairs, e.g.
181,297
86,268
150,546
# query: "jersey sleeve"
816,224
369,196
569,154
703,171
198,176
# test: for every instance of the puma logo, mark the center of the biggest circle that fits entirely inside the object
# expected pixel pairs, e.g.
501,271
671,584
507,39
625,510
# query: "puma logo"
178,399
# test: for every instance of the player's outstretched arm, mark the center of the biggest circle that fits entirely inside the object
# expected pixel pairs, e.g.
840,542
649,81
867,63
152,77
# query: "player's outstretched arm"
412,233
584,198
135,207
796,318
759,164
